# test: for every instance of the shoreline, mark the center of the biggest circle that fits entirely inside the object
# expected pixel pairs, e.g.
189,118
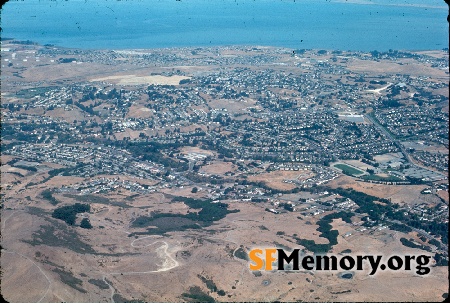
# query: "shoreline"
14,41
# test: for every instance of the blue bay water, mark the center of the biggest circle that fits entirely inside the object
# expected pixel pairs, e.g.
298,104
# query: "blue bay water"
346,25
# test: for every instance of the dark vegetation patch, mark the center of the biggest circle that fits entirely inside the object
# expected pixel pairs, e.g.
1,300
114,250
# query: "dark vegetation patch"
211,285
222,293
65,171
380,178
26,167
209,212
366,203
195,294
119,299
241,253
59,235
68,213
229,250
400,227
185,253
68,279
279,245
36,211
99,283
131,198
441,259
340,292
346,275
410,243
375,211
85,223
67,60
166,222
15,173
432,242
208,282
47,195
29,93
97,199
326,232
47,261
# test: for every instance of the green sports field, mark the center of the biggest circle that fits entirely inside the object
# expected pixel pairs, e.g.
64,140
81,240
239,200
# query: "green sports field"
349,170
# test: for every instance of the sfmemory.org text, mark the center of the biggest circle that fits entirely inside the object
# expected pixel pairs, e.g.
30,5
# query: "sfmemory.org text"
263,259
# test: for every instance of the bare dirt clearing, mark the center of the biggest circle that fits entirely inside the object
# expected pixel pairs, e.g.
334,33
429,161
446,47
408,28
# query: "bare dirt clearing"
276,179
192,149
138,80
58,71
397,193
409,66
218,168
232,105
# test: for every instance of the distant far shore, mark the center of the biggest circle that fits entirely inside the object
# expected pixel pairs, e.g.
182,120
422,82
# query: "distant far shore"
31,42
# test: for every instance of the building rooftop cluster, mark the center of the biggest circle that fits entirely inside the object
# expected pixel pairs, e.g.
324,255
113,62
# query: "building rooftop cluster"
260,109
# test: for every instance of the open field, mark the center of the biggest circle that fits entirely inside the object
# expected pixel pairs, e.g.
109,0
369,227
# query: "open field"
358,164
171,263
55,71
232,105
138,80
219,168
408,66
139,111
192,149
22,270
443,194
348,169
275,179
397,193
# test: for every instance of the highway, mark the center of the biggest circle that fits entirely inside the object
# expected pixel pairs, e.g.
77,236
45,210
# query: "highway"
399,144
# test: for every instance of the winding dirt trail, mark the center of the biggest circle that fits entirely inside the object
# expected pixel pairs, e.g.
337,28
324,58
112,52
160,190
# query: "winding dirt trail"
111,288
48,279
4,220
168,264
162,251
7,251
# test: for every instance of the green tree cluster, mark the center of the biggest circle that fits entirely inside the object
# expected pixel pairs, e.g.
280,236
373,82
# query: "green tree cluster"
85,223
47,195
68,213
